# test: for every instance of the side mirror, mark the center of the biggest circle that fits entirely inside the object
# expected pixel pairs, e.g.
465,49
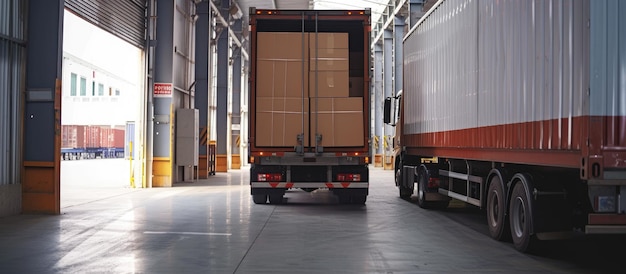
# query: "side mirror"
387,111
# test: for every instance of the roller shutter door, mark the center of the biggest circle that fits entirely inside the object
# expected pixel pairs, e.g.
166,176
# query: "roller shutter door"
122,18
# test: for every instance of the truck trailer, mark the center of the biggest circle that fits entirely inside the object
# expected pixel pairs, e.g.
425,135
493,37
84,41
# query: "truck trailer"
309,103
519,108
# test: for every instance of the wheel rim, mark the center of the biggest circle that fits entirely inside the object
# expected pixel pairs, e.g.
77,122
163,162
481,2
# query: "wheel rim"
519,217
398,177
420,188
494,211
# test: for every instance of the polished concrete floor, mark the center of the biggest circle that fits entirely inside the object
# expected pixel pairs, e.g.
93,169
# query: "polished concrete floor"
212,226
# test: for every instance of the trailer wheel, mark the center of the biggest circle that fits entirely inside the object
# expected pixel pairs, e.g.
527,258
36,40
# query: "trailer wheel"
359,199
496,211
259,198
521,216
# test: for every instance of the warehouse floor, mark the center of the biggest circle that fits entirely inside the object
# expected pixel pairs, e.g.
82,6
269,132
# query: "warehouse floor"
212,226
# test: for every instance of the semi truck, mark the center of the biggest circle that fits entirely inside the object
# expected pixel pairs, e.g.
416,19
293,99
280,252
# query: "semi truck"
309,103
519,108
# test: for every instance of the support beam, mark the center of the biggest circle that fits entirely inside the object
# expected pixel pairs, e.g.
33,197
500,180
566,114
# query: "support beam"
398,35
392,11
415,11
42,109
162,164
222,91
222,18
388,86
379,97
201,99
236,101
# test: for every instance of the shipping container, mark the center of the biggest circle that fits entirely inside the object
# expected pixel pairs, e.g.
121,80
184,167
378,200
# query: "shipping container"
517,107
91,141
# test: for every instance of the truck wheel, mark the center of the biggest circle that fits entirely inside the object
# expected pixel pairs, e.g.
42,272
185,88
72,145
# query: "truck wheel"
496,211
405,192
521,217
422,185
344,199
259,198
276,199
359,199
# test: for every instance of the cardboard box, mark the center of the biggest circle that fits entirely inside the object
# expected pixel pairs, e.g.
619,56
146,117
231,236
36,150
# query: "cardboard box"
329,59
357,88
339,121
282,46
281,79
280,120
329,84
334,40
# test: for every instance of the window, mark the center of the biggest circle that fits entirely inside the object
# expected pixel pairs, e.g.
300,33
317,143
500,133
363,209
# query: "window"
100,89
117,92
93,88
73,84
83,86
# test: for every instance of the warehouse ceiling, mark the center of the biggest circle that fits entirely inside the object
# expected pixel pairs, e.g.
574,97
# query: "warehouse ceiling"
377,6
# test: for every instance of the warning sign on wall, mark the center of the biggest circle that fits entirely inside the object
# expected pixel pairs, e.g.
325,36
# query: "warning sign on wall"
162,89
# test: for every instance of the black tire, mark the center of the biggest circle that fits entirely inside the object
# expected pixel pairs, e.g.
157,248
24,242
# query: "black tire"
405,192
496,211
421,188
276,199
259,198
309,189
520,217
359,199
344,199
422,185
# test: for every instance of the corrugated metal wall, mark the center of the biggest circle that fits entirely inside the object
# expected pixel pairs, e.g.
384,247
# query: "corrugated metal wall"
480,64
123,18
608,68
12,74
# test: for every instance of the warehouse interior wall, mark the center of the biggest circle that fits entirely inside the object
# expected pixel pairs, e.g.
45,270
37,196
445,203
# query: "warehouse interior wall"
12,82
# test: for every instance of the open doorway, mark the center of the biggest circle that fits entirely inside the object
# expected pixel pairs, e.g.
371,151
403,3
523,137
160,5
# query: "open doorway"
100,109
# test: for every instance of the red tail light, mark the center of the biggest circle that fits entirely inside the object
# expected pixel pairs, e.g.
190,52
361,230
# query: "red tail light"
349,177
269,177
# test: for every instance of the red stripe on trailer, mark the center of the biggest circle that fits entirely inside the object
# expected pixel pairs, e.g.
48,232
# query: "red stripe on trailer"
273,185
345,185
330,185
289,185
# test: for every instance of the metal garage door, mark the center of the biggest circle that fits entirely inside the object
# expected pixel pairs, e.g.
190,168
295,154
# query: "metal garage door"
123,18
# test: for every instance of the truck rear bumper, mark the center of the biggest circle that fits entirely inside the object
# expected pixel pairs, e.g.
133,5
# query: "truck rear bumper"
329,185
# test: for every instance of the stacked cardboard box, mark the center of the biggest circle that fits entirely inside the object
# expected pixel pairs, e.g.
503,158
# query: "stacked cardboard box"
329,65
282,93
338,120
299,72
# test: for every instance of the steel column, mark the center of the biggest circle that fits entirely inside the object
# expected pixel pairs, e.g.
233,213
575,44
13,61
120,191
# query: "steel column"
379,97
388,86
415,11
42,108
163,107
222,92
201,99
398,31
236,100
